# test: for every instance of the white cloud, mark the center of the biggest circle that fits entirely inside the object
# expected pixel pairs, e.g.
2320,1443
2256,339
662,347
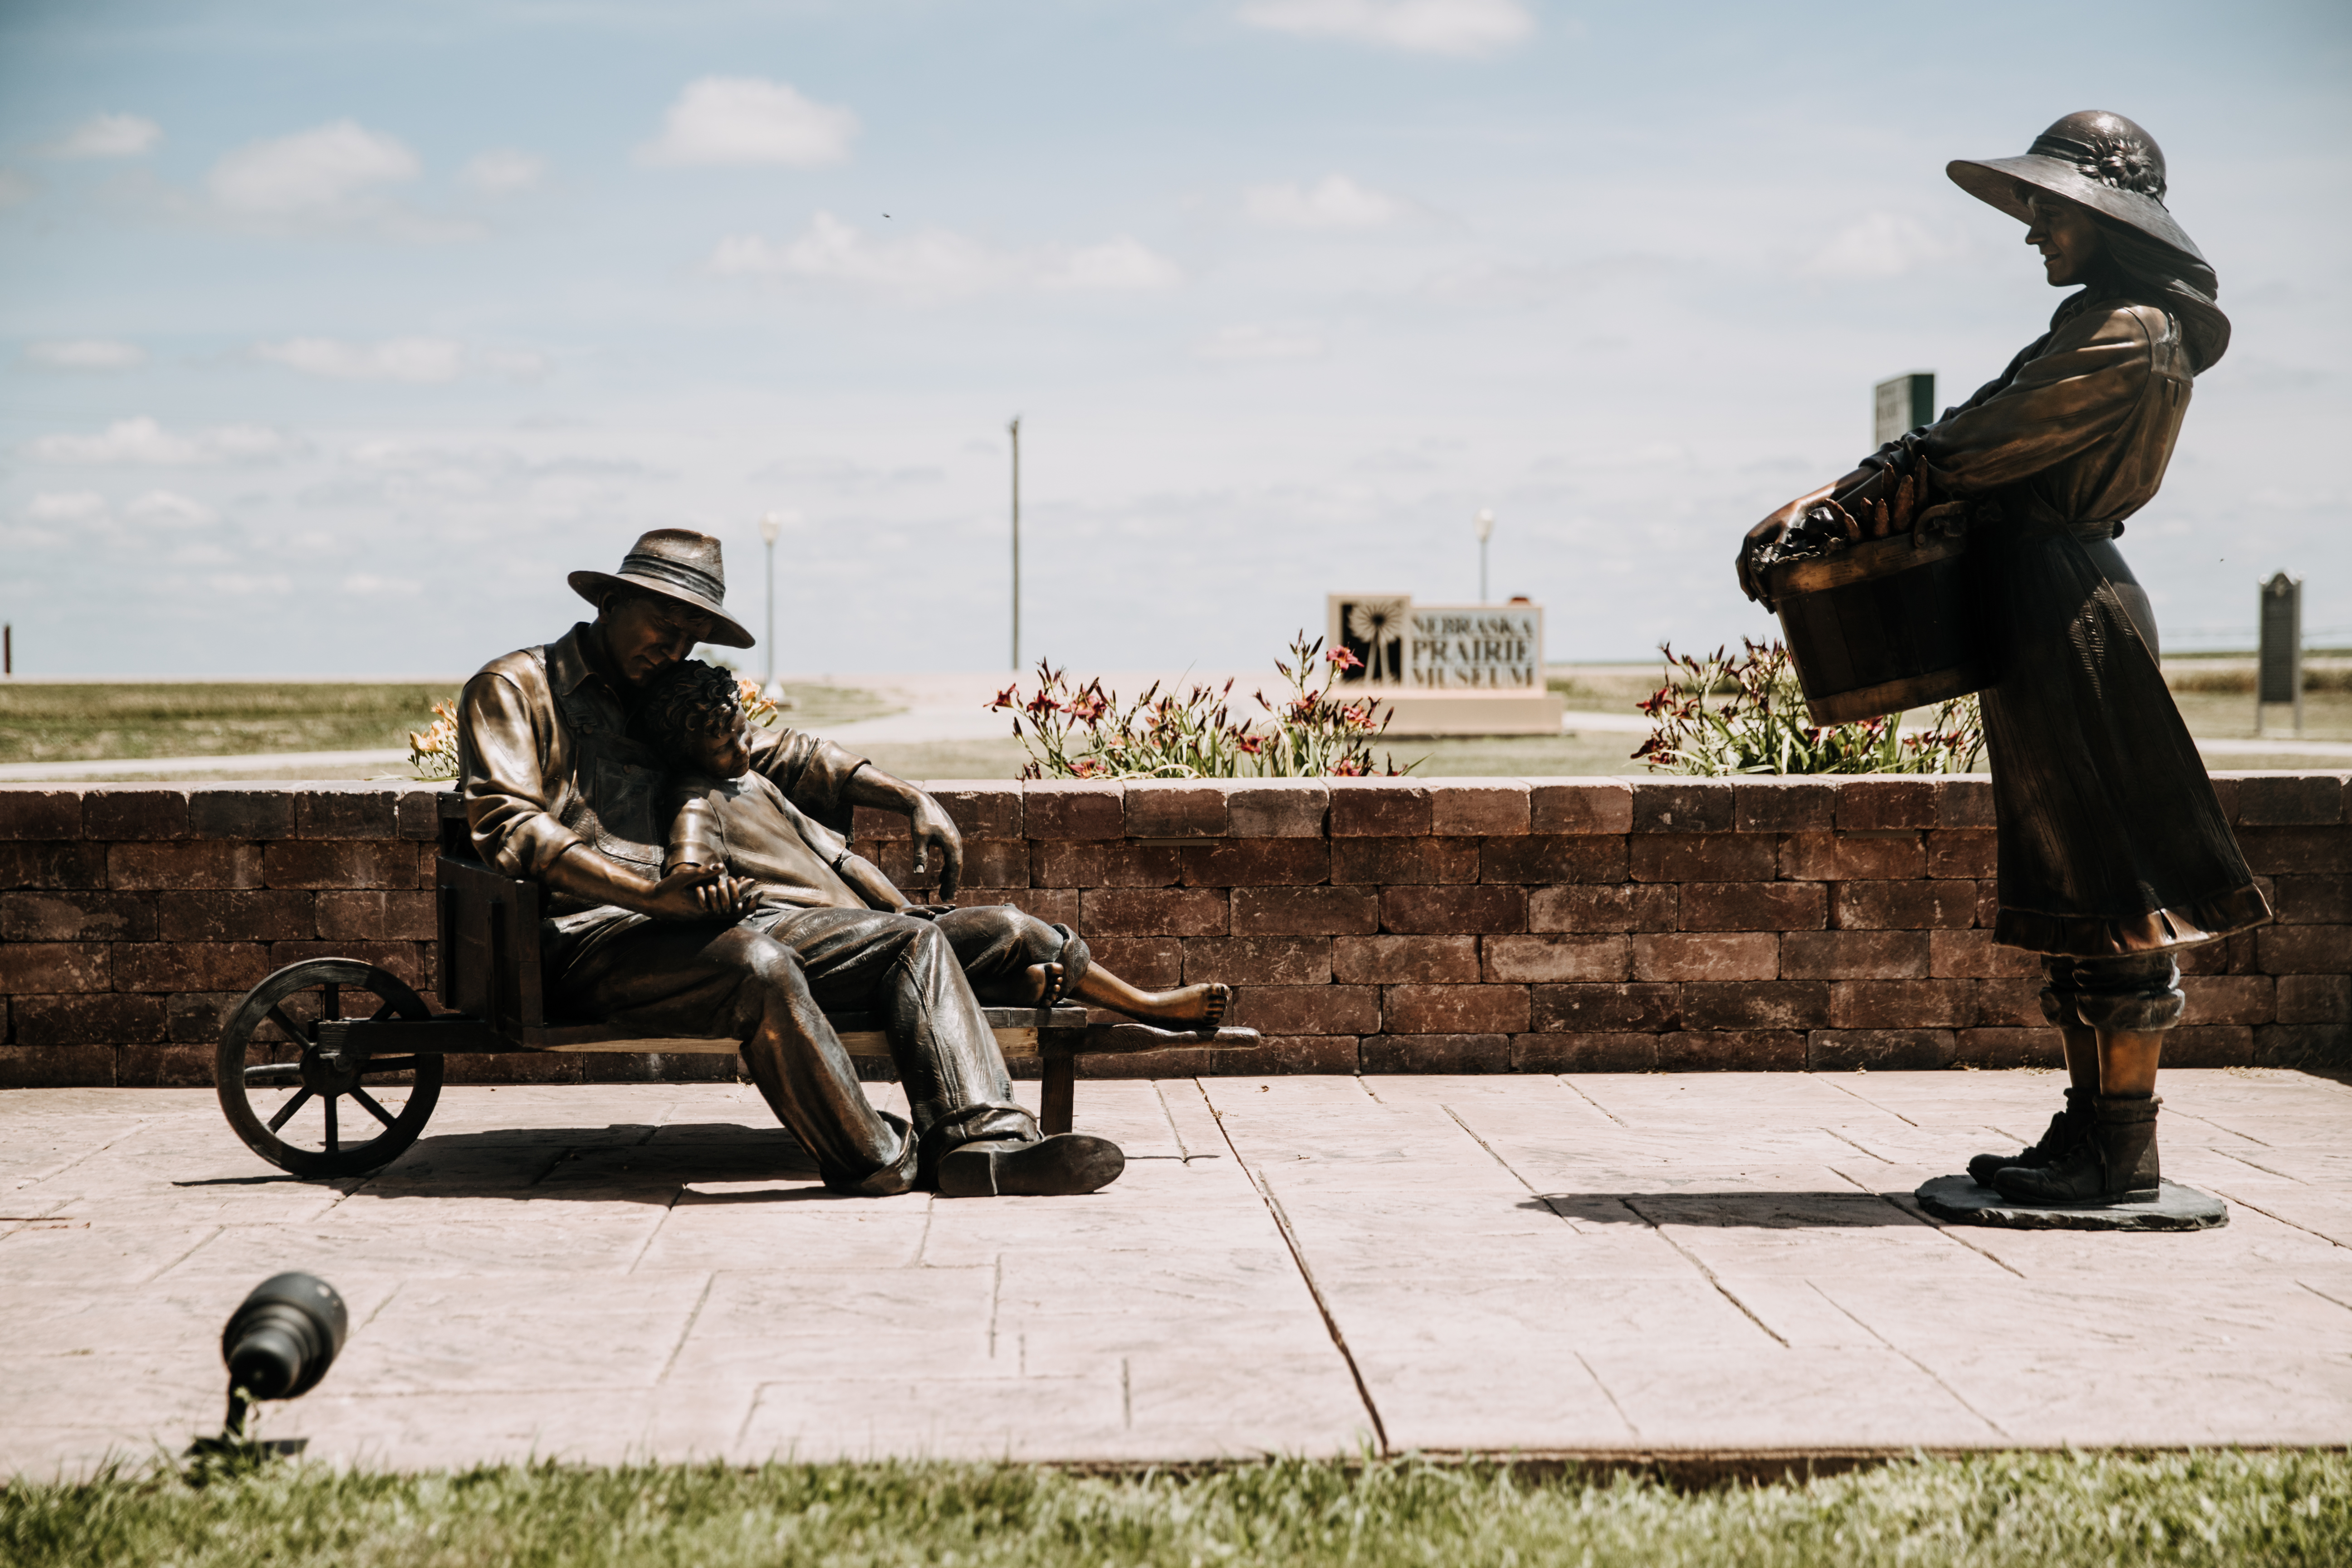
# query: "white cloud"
394,359
1879,245
68,506
408,467
312,172
933,264
86,353
1117,266
1417,27
1333,202
503,170
1253,342
108,136
248,585
16,186
170,509
143,442
368,584
744,119
523,365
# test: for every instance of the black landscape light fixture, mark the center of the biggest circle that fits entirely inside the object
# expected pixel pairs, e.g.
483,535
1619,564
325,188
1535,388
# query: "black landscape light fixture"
278,1346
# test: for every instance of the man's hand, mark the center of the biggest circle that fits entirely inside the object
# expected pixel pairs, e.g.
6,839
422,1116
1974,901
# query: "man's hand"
931,827
701,893
692,893
729,897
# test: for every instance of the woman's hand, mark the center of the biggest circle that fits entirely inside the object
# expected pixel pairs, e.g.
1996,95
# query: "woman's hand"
1888,503
1775,524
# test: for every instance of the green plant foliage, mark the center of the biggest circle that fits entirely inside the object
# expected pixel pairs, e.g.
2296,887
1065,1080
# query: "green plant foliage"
1995,1510
1759,724
433,750
1074,731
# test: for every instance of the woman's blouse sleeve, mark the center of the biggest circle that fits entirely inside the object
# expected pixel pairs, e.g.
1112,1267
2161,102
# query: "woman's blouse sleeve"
2075,394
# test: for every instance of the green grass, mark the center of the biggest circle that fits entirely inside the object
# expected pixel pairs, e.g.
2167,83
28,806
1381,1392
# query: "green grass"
2327,716
44,724
2036,1510
1605,688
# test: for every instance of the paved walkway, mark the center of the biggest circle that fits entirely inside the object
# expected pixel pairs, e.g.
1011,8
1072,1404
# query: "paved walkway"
1613,1263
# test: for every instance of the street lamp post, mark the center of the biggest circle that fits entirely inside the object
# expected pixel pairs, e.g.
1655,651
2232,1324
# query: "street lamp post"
1015,429
1486,526
771,526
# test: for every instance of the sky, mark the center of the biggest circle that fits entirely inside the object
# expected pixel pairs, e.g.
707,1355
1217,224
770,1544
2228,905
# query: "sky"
332,335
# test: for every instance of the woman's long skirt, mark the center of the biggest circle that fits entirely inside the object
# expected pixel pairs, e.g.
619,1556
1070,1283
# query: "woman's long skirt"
2111,838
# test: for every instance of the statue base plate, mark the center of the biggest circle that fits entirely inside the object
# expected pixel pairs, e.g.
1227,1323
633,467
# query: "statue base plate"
2174,1208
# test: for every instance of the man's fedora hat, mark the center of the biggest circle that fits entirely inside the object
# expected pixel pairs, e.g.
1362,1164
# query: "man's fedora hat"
2093,159
677,564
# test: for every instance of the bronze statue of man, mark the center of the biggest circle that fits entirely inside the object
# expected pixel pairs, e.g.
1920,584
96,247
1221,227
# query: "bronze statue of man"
557,789
2114,852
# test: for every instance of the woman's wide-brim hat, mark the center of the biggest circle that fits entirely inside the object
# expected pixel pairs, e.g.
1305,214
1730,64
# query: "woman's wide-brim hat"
2094,159
677,564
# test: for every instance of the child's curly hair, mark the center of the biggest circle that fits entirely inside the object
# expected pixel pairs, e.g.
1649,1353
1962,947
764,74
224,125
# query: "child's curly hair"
688,699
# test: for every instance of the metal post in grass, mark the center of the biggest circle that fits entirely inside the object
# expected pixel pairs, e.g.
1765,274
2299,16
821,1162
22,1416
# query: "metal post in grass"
771,526
2279,666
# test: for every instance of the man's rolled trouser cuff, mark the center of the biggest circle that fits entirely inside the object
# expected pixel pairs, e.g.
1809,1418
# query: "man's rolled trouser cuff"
884,1181
973,1124
2138,993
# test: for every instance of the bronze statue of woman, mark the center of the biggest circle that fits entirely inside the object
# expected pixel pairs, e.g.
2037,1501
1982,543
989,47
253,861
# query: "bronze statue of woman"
2114,852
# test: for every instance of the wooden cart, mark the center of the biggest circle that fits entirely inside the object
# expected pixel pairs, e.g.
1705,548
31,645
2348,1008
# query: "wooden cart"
331,1067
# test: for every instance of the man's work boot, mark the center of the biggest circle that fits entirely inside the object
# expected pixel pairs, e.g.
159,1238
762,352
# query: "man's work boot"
2116,1163
1059,1166
2068,1128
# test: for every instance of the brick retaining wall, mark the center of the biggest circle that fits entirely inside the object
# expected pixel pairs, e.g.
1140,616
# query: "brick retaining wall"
1444,925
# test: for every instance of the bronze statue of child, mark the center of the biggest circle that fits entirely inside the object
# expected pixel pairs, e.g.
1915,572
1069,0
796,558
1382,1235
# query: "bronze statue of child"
791,870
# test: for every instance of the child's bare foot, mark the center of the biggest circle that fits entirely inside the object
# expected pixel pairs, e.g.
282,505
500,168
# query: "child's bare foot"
1204,1006
1044,985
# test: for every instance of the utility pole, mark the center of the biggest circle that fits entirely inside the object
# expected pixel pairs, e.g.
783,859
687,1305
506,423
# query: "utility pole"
1486,526
1015,429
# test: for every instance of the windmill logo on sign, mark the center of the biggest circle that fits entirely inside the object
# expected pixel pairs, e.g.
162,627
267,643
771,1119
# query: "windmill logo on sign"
1373,630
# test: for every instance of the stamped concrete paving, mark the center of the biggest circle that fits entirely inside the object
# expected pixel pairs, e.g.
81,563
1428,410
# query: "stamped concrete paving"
1571,1264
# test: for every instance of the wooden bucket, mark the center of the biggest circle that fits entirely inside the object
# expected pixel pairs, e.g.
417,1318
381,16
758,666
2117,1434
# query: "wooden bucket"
1881,625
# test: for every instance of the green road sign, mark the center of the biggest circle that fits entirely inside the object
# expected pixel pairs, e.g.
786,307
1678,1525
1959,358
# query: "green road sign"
1903,403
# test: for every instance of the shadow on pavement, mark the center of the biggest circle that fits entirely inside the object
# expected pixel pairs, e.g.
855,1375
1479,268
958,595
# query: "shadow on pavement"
600,1165
1826,1210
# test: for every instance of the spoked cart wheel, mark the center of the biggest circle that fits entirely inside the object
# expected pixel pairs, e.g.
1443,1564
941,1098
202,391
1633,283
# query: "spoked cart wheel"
317,1112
